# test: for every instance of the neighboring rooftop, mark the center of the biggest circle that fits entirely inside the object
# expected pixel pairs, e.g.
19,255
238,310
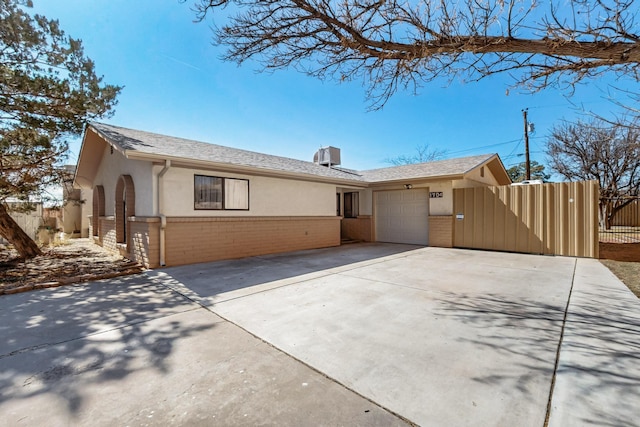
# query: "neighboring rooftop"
131,140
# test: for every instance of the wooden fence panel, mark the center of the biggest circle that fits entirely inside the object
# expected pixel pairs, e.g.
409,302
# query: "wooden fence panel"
554,219
29,222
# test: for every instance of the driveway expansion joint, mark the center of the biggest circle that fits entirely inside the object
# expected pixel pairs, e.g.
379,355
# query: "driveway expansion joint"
557,361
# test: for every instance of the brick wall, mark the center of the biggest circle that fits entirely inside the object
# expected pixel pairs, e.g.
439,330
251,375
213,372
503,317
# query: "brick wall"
441,231
144,242
356,228
107,233
191,240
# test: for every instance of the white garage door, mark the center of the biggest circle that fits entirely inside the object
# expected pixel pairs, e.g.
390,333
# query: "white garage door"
402,216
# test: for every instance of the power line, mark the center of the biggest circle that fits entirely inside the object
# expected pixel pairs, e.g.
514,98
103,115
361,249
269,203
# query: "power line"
514,148
483,146
519,155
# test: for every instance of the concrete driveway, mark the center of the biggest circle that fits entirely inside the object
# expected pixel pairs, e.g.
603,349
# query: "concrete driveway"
367,334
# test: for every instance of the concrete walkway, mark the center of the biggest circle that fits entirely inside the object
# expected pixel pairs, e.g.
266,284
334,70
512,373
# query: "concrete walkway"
598,377
366,334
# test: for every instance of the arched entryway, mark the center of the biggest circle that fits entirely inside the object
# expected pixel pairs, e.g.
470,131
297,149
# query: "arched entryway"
98,208
125,207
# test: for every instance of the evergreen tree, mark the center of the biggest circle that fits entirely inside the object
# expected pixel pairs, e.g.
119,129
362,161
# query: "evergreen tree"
48,90
517,173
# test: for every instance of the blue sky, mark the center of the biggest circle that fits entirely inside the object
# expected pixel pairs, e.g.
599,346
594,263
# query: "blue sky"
175,83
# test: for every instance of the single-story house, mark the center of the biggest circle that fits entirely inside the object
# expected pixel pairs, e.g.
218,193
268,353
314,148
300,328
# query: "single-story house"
163,200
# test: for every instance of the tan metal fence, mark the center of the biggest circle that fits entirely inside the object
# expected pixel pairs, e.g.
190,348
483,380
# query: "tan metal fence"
624,226
554,219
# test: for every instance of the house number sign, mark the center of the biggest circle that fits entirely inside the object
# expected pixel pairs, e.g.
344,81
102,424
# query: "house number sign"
436,195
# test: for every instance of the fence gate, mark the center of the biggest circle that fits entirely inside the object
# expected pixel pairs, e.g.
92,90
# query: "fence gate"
553,219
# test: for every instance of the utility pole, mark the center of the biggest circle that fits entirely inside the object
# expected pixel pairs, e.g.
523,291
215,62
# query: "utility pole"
527,160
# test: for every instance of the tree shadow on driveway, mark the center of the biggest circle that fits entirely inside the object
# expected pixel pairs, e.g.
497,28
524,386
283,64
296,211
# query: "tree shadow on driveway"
525,332
61,341
598,374
598,377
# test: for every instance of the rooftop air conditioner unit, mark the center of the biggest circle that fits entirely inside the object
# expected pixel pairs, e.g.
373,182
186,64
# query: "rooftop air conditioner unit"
327,156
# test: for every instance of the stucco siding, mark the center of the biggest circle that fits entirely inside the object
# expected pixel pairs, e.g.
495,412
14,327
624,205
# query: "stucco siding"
114,165
267,196
366,202
87,211
441,205
475,179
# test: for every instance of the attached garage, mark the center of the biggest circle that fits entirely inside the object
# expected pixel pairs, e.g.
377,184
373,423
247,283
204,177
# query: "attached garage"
402,216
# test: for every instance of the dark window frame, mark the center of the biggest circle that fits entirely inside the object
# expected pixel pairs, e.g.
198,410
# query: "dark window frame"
351,209
223,206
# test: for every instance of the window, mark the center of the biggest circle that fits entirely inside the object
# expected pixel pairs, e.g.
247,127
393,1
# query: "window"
236,194
208,192
350,205
217,193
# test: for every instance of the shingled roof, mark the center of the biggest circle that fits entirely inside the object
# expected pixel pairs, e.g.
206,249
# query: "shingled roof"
438,168
131,141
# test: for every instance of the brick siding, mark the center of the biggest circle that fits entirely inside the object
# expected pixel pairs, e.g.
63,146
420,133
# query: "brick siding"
192,240
107,233
356,228
144,246
441,231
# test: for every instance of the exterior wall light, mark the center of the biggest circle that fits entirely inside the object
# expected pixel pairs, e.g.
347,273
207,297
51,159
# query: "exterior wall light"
408,186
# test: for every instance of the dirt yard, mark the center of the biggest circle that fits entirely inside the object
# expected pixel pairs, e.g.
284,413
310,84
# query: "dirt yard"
74,261
628,272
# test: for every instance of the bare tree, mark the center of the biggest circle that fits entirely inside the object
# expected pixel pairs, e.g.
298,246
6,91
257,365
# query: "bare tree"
608,153
402,44
423,154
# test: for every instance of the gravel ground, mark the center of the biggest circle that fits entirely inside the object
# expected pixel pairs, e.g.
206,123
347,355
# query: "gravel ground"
73,261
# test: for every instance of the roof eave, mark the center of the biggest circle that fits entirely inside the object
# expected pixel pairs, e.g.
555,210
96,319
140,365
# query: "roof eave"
108,140
90,152
249,170
495,165
416,180
498,170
